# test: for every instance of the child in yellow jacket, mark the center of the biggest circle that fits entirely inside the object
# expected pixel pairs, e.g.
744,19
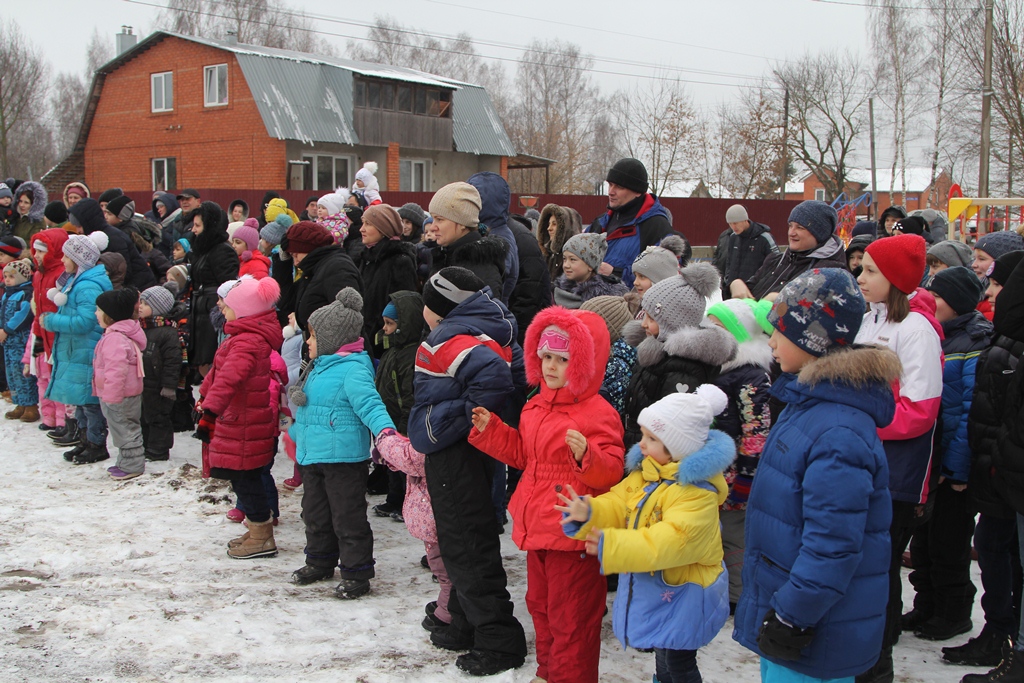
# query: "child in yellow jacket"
659,529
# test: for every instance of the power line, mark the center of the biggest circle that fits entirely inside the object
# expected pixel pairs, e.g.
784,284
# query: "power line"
872,5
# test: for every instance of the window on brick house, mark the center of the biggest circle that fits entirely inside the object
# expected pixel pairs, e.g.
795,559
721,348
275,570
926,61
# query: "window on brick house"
215,85
165,174
162,87
325,172
414,175
819,194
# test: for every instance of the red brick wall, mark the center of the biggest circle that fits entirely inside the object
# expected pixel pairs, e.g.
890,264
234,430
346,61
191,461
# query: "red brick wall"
225,146
394,171
504,168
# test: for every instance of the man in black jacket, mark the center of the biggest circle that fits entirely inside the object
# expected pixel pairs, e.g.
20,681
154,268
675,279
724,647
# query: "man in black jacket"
87,215
747,246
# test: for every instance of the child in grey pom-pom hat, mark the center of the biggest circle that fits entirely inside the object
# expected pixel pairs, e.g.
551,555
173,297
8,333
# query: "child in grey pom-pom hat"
338,409
581,257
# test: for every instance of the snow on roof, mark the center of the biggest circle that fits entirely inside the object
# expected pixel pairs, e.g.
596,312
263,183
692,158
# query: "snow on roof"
918,178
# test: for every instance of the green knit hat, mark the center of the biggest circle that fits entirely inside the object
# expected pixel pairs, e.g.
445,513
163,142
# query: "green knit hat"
743,318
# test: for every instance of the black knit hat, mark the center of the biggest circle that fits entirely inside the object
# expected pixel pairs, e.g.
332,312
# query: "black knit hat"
448,288
118,304
122,206
1004,265
110,194
56,212
630,174
959,287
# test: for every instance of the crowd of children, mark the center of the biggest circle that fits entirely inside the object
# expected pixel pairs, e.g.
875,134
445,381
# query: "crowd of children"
645,424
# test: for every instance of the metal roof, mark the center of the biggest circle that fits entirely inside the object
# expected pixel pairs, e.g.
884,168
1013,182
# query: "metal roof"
308,97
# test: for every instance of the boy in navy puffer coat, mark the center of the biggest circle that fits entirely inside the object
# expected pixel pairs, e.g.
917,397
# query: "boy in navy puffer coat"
815,574
337,403
470,359
941,548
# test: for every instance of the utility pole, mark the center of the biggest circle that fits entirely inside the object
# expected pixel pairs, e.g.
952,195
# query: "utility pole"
785,145
986,115
874,183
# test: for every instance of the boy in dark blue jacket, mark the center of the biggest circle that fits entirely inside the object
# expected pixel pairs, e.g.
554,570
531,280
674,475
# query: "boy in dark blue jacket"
15,326
470,359
941,548
815,571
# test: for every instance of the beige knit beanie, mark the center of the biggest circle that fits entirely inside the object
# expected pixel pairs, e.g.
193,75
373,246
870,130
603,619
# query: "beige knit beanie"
613,310
458,202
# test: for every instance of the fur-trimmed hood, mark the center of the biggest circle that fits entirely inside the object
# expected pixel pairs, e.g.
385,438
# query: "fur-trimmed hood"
80,185
482,251
571,294
39,199
589,346
708,344
857,376
718,452
215,228
569,223
753,352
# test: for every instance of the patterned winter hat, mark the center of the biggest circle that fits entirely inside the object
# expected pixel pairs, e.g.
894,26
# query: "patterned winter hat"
83,250
20,270
449,287
613,309
682,421
680,301
339,323
590,247
821,308
159,298
995,244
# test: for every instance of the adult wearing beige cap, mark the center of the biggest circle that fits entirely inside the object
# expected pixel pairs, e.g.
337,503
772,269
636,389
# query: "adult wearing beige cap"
456,211
747,247
387,265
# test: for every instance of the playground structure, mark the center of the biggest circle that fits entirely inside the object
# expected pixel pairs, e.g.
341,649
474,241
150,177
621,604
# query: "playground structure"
846,207
968,222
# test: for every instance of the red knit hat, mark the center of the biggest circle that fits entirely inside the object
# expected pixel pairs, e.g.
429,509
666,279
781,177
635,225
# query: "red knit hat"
901,259
305,236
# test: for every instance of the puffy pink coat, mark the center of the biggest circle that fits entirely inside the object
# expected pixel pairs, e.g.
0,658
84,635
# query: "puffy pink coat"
117,362
237,391
538,447
399,455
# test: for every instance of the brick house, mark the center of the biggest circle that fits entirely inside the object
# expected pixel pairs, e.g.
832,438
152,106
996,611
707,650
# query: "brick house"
178,111
919,186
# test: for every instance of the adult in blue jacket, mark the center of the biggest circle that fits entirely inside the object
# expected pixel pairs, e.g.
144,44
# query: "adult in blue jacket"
815,573
495,197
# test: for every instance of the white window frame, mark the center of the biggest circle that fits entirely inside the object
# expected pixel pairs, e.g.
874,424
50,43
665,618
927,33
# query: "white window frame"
215,83
412,163
161,78
819,194
157,161
314,175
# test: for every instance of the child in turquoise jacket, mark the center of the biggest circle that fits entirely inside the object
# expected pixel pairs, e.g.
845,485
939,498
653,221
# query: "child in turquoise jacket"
338,408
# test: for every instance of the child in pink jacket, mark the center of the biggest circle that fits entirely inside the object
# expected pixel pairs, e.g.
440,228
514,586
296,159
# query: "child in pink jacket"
117,378
399,455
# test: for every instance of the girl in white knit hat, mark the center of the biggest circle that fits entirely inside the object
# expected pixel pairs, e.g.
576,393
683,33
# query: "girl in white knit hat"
658,529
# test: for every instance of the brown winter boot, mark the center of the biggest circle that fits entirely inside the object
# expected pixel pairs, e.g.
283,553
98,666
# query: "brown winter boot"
235,542
15,414
31,414
260,542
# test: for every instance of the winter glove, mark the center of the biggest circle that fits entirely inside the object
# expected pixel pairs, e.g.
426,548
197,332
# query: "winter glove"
168,393
206,426
782,641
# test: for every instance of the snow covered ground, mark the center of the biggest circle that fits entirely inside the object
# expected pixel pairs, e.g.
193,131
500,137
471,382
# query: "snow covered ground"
101,581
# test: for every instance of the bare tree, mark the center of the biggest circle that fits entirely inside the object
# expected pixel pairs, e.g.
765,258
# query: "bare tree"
753,134
98,52
827,98
23,89
66,105
268,23
710,149
656,120
942,75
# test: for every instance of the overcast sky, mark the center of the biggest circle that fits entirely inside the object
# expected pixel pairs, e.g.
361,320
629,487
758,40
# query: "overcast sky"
716,46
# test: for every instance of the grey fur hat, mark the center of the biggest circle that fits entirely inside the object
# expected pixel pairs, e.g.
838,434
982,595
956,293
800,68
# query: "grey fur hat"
591,247
680,301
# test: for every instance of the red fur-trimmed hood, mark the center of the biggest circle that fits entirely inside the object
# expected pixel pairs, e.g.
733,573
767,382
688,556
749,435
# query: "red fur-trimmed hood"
589,345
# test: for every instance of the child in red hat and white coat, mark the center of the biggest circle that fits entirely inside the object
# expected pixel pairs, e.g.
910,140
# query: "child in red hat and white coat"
568,433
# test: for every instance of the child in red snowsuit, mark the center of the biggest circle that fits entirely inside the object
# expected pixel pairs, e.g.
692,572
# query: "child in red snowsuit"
568,433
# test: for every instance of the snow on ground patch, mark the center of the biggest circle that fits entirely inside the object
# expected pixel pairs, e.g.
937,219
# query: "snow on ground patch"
130,581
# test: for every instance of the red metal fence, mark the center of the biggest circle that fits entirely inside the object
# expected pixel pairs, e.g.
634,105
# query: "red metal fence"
700,220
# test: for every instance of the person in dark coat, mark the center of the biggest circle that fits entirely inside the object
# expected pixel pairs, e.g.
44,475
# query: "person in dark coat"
88,215
747,247
262,217
456,212
812,244
887,221
532,292
144,234
169,216
214,262
324,266
495,197
386,266
162,360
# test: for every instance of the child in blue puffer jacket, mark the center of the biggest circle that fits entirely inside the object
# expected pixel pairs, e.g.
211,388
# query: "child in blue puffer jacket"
15,326
815,571
337,403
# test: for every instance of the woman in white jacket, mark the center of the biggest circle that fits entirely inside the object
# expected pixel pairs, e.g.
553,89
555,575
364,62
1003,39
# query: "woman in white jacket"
901,316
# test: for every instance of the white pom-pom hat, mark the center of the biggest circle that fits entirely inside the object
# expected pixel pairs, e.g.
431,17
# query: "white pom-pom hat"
682,421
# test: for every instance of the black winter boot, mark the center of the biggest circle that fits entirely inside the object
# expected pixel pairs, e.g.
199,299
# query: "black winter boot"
941,628
1010,670
74,452
487,663
448,638
881,672
92,453
350,589
70,436
985,650
914,619
309,574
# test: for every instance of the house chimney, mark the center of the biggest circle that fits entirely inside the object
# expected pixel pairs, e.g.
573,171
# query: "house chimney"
126,40
232,38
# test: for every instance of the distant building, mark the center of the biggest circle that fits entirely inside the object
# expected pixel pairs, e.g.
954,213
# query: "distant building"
178,111
919,186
